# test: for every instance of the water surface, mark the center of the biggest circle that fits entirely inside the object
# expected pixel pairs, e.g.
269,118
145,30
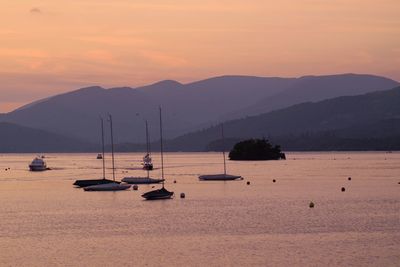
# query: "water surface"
46,221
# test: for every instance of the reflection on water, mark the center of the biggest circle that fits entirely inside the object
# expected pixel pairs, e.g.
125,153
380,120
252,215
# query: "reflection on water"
46,221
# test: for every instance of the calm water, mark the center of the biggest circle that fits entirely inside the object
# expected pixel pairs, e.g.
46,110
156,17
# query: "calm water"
46,221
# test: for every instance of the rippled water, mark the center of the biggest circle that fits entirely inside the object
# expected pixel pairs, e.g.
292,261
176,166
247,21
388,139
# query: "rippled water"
46,221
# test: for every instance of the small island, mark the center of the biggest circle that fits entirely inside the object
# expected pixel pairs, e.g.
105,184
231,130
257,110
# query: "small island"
256,149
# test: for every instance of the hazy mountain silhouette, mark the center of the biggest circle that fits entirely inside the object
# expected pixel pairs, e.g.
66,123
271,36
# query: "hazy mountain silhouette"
316,88
15,138
186,107
372,115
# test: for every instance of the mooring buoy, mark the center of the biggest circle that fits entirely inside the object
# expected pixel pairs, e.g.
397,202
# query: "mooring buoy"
174,181
273,180
349,178
183,195
343,189
311,204
248,183
135,187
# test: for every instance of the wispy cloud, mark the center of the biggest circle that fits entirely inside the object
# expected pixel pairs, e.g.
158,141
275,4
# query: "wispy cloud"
35,10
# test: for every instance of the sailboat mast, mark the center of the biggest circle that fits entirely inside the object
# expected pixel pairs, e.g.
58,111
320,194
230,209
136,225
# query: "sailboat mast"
161,149
147,139
223,146
112,146
147,147
102,147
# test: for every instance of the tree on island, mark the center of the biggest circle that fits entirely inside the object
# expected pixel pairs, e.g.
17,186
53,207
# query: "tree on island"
256,149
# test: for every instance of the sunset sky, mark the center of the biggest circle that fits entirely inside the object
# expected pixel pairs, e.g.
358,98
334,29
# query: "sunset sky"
52,46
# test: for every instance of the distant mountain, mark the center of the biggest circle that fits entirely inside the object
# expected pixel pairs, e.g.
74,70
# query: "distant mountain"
186,107
15,138
317,88
373,115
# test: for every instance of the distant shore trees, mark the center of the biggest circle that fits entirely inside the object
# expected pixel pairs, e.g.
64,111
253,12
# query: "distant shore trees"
256,149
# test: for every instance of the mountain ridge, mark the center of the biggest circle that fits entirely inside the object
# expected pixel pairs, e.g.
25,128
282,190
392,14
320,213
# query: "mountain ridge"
186,107
338,115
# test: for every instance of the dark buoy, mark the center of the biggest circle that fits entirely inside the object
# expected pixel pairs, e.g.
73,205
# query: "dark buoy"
398,182
248,183
135,187
274,181
311,204
174,181
343,189
349,178
183,195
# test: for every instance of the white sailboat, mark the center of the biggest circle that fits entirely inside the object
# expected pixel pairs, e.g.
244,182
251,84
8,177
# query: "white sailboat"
224,176
144,180
161,193
114,186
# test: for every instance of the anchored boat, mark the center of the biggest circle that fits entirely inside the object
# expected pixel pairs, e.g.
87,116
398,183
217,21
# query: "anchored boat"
162,193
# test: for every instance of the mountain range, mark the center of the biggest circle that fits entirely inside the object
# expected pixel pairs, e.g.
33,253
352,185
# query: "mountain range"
15,138
338,105
186,107
372,115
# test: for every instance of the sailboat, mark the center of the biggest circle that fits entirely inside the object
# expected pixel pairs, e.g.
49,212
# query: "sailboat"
89,182
224,176
113,186
162,193
144,180
147,161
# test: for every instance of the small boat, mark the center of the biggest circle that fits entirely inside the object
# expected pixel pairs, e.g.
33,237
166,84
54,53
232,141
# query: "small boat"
161,193
219,177
141,180
107,187
113,186
147,165
147,162
158,194
90,182
224,176
38,164
99,156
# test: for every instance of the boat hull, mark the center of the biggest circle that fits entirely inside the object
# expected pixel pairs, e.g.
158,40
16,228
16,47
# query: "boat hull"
84,183
141,180
37,168
148,167
158,194
219,177
107,187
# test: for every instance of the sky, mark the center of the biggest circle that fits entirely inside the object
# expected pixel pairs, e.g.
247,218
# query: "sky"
52,46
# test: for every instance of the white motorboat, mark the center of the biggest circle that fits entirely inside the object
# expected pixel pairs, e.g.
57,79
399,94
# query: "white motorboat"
38,164
224,176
